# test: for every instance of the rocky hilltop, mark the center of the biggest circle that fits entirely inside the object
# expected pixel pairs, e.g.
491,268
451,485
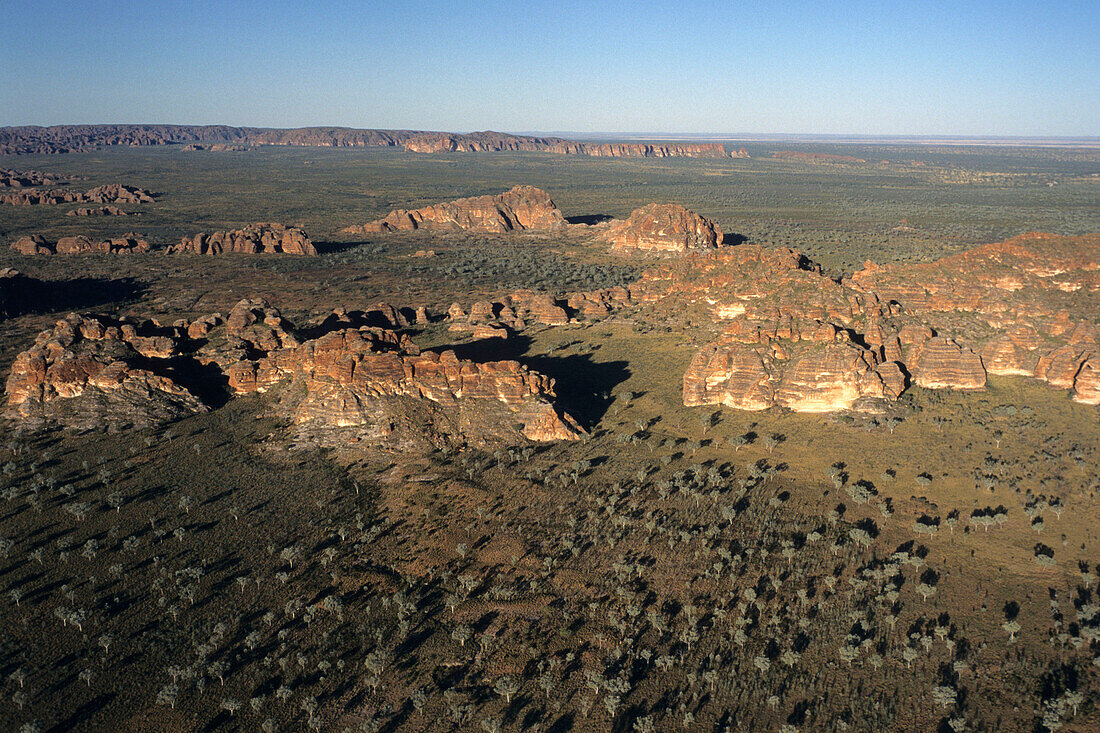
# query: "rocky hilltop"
353,385
667,228
129,243
112,193
254,238
519,209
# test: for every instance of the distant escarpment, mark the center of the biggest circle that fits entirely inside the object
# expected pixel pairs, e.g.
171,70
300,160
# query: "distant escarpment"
816,157
497,141
795,338
353,385
519,209
665,228
82,138
35,244
113,193
252,239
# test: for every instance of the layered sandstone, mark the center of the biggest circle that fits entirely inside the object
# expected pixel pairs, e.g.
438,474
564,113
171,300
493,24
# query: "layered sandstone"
521,208
666,228
820,370
941,363
252,239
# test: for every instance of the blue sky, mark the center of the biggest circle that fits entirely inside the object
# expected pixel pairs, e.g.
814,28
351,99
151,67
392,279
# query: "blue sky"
953,68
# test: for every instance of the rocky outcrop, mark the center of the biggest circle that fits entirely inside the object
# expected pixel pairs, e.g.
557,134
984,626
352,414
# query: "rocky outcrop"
522,208
215,148
355,386
129,243
252,239
350,386
99,211
22,179
666,228
92,373
114,193
523,308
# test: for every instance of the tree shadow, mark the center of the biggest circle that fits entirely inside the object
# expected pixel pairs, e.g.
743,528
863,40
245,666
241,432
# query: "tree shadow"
732,239
325,248
24,295
589,219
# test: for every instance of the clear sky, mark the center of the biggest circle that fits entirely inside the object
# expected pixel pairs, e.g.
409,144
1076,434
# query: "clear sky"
965,67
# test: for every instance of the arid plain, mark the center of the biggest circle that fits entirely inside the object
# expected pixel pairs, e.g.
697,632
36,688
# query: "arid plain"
430,432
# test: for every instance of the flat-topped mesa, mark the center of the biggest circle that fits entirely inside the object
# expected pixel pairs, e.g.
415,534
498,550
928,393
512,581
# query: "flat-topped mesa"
252,239
666,228
112,193
641,150
523,208
129,243
94,373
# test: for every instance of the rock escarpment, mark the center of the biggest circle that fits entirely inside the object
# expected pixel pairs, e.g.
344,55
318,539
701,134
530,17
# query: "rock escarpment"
254,238
667,228
130,243
523,208
113,193
351,385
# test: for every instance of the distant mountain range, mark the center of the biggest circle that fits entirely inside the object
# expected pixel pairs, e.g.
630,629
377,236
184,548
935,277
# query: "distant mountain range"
81,138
